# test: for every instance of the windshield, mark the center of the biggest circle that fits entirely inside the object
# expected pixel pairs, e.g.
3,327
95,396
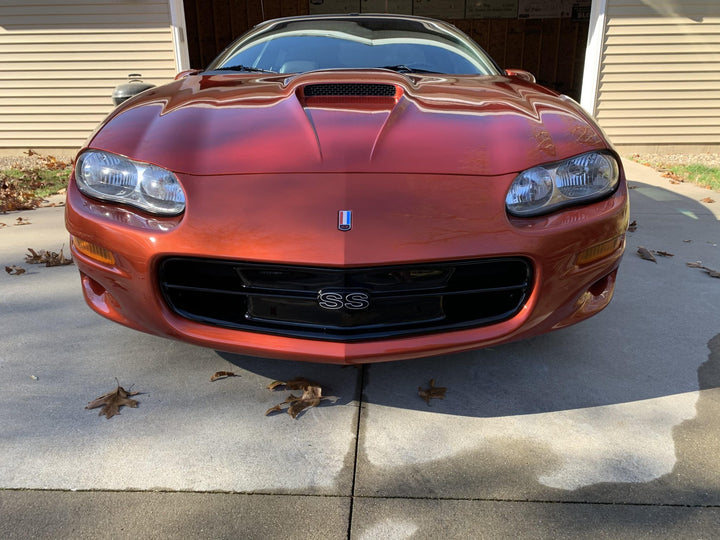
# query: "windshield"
350,43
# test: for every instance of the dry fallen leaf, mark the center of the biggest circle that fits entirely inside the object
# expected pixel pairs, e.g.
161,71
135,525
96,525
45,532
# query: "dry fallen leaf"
276,408
48,258
222,375
58,259
15,270
21,221
34,257
645,254
674,178
3,225
709,271
662,253
707,200
299,383
633,226
112,401
311,396
434,392
687,241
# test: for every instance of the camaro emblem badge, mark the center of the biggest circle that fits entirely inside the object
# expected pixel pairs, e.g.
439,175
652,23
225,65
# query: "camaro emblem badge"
345,220
348,299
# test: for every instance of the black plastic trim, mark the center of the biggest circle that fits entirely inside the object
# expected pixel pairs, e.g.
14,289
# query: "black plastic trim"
404,300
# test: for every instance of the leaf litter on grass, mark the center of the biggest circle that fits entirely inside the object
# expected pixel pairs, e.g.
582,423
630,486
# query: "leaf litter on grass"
24,184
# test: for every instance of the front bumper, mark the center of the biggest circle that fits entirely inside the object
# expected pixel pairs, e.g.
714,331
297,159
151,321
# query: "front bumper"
398,220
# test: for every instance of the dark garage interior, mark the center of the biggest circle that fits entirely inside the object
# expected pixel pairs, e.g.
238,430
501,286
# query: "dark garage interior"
551,48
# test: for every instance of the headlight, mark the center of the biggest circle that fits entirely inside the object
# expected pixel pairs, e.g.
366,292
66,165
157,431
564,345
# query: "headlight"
116,178
584,178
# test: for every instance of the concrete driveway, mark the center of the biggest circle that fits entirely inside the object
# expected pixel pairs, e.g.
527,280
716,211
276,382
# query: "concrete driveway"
607,429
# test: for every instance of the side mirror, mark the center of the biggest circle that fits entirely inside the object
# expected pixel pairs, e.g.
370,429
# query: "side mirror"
186,73
521,74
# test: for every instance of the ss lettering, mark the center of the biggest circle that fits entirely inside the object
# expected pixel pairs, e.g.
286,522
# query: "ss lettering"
355,300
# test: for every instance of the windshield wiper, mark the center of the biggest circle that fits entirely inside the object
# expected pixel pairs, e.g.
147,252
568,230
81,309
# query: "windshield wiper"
402,68
243,68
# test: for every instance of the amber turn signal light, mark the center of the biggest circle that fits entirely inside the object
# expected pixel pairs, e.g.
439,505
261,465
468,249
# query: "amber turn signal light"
599,251
93,251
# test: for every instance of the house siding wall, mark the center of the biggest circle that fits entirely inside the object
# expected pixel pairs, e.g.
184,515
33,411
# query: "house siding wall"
60,61
659,83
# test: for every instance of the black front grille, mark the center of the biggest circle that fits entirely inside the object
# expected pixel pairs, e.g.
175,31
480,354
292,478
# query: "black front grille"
347,304
349,89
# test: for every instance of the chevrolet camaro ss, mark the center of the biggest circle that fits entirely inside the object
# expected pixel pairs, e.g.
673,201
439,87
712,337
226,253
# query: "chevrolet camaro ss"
348,188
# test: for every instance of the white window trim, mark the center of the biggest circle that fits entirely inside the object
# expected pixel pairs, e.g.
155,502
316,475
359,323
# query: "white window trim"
179,31
593,57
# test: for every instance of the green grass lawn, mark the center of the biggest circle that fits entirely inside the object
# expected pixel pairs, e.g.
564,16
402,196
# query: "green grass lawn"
697,174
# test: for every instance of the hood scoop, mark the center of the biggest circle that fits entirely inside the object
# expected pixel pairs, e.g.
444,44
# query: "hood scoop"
373,96
348,118
350,89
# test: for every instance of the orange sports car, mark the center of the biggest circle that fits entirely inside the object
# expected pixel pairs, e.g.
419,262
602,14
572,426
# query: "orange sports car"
348,188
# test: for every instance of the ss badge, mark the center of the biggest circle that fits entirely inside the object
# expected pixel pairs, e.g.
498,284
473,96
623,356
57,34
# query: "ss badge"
339,299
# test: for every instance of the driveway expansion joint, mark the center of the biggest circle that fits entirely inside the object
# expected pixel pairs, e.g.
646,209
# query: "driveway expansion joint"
360,390
364,497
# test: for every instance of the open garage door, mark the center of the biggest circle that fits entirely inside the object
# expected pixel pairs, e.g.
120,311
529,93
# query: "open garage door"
546,37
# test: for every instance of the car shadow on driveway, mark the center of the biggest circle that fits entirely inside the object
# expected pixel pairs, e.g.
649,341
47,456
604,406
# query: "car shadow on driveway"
648,343
620,408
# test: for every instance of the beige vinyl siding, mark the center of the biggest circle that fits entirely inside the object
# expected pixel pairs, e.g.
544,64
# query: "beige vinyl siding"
61,59
660,74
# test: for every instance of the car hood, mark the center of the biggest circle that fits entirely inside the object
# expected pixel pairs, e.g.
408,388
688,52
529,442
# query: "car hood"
312,123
